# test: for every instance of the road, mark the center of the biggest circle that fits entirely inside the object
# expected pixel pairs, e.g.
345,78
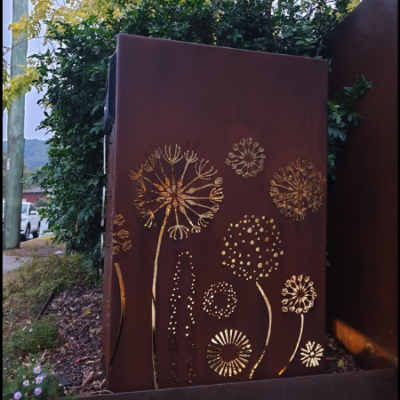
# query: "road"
11,262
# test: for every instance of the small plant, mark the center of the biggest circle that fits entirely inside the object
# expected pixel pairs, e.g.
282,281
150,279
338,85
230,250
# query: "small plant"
342,115
42,335
30,380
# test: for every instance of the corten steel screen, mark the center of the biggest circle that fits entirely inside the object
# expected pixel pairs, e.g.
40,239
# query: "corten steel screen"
216,216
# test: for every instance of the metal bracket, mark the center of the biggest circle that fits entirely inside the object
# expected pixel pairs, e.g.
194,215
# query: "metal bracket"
102,206
104,154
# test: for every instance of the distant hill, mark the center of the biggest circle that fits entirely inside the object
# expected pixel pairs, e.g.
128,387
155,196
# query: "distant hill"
35,154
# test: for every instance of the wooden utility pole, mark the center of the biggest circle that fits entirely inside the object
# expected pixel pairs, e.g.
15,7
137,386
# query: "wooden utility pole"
15,139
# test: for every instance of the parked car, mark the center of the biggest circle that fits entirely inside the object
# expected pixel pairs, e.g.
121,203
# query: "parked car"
30,220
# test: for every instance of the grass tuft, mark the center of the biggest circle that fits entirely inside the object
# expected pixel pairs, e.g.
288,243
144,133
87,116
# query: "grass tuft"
41,335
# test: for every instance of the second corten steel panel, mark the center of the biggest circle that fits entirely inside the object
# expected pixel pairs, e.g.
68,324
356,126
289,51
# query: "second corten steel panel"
363,233
206,100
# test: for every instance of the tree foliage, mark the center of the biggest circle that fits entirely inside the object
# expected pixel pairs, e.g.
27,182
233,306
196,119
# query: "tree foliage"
341,115
75,74
31,26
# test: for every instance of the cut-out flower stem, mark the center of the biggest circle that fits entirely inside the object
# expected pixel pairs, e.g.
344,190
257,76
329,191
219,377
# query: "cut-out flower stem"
165,191
299,293
269,329
297,345
154,291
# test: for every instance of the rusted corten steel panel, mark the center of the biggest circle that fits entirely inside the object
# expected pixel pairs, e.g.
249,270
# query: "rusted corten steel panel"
219,264
365,385
363,225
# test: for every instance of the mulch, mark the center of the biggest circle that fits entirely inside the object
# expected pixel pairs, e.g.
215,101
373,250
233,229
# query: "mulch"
338,358
78,358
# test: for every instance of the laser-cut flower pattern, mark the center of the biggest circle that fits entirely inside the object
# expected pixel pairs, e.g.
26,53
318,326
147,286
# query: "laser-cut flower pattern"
301,294
211,296
182,310
120,236
215,353
247,158
252,249
296,188
312,354
178,188
158,189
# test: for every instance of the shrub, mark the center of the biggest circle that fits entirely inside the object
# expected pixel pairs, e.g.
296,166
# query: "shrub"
37,280
75,78
42,335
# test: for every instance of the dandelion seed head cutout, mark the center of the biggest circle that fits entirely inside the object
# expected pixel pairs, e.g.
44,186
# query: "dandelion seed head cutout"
165,184
247,158
252,247
296,189
300,294
159,186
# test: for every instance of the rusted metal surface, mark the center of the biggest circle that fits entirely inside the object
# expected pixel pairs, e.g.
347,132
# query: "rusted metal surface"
363,202
365,385
194,101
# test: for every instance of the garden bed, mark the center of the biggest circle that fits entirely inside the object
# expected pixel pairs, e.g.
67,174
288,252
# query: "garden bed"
78,354
76,357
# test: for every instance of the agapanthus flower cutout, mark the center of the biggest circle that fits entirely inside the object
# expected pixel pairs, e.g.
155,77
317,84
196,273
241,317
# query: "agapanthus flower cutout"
234,342
296,189
119,237
247,158
299,293
312,354
176,183
253,250
162,187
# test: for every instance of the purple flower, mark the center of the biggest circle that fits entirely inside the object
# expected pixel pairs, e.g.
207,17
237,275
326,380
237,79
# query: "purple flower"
30,330
39,379
37,369
37,391
23,330
17,395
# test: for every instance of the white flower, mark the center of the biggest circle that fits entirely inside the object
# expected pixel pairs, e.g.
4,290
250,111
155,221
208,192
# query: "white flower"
26,383
30,330
39,379
23,328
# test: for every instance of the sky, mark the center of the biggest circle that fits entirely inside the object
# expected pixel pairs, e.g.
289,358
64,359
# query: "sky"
33,113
